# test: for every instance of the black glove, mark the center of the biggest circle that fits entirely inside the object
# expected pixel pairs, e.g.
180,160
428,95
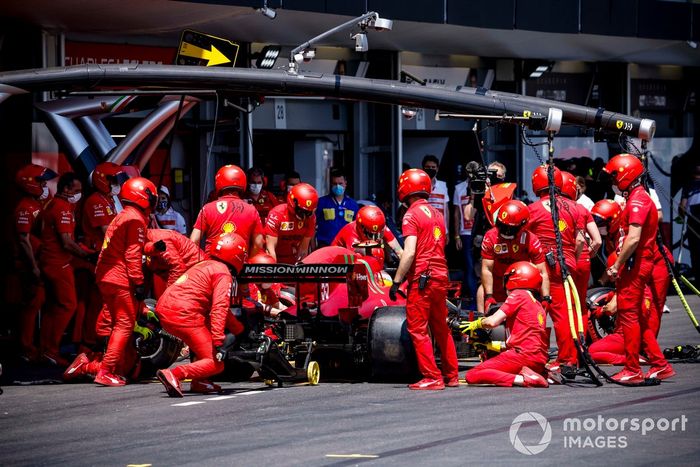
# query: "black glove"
140,292
220,351
393,290
159,246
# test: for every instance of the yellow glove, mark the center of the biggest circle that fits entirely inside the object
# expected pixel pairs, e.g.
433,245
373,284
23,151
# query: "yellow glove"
151,316
467,327
145,332
493,346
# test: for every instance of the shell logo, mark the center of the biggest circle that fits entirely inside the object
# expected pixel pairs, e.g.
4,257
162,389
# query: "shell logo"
562,225
540,318
229,227
105,243
437,233
181,279
647,303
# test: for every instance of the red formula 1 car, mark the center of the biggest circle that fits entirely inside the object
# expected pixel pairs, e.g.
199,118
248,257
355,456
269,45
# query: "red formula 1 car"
342,320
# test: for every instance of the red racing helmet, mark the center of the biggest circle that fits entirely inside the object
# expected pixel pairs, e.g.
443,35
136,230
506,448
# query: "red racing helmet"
230,248
140,192
261,258
302,199
569,187
540,180
31,177
522,275
607,212
511,217
230,176
612,257
624,169
414,182
105,175
370,223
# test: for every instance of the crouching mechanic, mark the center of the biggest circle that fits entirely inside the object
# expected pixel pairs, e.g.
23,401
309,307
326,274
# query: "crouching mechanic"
369,226
505,244
423,264
196,309
523,361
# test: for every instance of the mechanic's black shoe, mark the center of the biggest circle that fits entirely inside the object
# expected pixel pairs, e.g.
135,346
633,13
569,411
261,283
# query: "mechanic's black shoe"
568,371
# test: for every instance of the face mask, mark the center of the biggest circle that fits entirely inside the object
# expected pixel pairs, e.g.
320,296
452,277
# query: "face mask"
44,193
162,205
338,190
74,198
255,188
431,172
115,190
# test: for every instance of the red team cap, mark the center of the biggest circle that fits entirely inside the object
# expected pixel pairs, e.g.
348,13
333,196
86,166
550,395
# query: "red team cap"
370,223
540,181
30,177
414,182
624,169
522,275
230,176
568,187
103,176
231,249
139,191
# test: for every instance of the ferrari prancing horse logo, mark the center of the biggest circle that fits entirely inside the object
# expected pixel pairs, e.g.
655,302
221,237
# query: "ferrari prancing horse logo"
221,206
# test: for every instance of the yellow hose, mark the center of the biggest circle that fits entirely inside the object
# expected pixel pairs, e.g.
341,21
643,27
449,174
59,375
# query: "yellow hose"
567,294
577,303
684,302
690,285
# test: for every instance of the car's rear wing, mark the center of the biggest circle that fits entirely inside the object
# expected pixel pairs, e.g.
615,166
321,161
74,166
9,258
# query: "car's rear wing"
294,273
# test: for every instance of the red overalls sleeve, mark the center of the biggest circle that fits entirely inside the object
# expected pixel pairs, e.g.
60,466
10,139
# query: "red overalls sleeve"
198,223
221,297
272,225
535,249
388,235
487,247
135,233
310,227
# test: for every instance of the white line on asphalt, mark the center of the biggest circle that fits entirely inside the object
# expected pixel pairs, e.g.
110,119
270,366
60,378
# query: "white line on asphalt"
353,456
185,404
219,398
248,393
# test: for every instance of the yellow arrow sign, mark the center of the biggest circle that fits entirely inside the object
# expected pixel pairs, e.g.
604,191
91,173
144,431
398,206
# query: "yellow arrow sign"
214,56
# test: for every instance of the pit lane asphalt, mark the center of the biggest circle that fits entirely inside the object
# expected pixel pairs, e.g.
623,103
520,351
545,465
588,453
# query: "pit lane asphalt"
82,424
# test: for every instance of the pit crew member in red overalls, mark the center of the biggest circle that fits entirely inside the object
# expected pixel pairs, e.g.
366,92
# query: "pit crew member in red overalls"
611,348
506,243
290,227
633,269
369,226
582,273
97,212
31,180
120,275
571,228
267,294
195,309
229,213
257,195
58,250
607,214
171,258
423,264
523,362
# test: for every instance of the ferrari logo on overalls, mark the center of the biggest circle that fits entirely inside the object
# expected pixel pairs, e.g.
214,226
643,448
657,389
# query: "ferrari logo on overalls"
437,233
516,248
300,224
229,227
221,206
